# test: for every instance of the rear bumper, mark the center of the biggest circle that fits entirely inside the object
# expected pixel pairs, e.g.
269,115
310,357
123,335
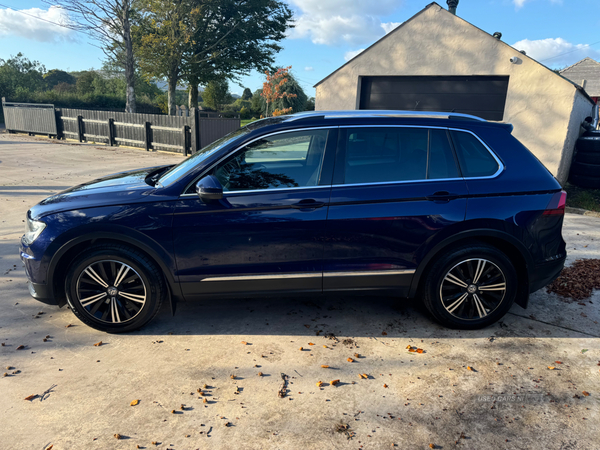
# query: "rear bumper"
544,274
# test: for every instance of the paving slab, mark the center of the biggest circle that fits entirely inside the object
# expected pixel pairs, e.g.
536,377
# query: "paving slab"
519,384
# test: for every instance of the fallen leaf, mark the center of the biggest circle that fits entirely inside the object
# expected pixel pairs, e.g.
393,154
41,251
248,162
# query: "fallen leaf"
301,348
204,400
334,382
319,383
469,368
134,403
385,386
260,374
408,346
324,346
244,343
20,347
324,366
419,350
412,350
551,367
31,397
118,436
587,394
350,360
172,411
558,362
384,333
431,445
584,350
356,355
98,344
68,326
310,343
363,375
50,447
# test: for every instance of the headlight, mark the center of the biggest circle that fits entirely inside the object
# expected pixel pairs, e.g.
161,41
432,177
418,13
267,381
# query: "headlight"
33,228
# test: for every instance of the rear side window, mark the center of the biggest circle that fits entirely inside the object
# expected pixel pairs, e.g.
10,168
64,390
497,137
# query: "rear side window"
379,155
474,158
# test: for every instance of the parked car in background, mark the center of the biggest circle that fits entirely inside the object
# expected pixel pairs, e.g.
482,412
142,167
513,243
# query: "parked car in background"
445,207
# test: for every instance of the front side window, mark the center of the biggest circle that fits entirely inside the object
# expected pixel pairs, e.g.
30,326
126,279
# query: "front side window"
376,155
285,160
475,160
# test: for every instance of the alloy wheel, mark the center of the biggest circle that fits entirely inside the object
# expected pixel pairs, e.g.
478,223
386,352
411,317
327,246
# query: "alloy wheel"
111,291
473,289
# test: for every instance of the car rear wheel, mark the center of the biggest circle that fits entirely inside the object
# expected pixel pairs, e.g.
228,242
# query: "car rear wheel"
470,287
114,288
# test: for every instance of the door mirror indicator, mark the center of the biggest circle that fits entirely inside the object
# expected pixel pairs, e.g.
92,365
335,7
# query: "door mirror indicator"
209,189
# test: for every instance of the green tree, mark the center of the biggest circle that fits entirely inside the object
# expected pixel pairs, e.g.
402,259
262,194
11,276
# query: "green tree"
258,103
85,82
247,95
216,94
205,40
310,104
57,76
19,75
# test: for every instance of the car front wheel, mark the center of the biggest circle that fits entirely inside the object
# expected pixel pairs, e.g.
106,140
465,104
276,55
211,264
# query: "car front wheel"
114,288
470,287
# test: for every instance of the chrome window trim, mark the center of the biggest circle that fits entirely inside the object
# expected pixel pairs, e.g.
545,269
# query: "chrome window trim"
270,276
501,166
183,194
362,273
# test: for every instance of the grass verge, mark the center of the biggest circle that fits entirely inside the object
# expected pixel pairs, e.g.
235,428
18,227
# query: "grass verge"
578,197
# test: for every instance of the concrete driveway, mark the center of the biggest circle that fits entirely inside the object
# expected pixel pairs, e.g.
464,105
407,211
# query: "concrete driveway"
518,384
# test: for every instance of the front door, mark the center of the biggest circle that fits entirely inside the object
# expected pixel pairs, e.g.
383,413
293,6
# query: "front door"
266,234
393,189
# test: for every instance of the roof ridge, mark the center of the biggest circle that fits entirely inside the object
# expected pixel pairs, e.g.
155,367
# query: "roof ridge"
579,62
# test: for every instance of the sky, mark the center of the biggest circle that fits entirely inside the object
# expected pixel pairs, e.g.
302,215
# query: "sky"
328,33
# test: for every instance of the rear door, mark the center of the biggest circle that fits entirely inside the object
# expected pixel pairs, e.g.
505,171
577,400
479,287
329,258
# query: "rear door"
394,188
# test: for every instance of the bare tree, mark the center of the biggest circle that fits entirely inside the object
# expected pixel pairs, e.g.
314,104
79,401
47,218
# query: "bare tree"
109,22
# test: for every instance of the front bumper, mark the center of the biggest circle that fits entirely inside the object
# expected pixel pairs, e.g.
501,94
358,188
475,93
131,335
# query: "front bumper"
34,271
41,292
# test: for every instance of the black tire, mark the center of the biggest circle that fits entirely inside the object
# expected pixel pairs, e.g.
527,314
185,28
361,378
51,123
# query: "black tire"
470,304
127,295
587,157
585,181
589,143
580,168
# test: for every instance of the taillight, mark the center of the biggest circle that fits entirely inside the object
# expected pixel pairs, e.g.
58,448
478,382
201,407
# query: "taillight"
557,204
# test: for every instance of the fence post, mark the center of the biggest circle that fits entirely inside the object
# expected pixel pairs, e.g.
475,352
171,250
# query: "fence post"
194,128
80,128
148,131
111,133
184,130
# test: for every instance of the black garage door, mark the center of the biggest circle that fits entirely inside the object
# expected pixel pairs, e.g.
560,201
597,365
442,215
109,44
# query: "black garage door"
483,96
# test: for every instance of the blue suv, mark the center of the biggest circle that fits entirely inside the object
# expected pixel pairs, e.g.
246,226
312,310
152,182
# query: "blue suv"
448,208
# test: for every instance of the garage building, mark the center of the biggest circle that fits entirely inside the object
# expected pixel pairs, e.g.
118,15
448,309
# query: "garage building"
437,61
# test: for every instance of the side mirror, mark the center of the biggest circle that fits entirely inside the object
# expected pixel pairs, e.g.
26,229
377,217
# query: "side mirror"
209,189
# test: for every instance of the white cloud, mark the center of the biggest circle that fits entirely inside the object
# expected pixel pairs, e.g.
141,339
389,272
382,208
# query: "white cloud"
338,22
309,68
14,23
351,54
390,26
556,52
520,3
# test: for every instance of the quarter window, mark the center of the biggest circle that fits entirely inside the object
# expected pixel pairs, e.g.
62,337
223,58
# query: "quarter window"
284,160
375,155
474,158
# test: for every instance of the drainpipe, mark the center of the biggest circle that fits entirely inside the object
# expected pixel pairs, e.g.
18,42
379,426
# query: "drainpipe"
452,4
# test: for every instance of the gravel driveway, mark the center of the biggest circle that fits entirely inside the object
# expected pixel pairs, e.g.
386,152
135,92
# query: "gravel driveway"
530,381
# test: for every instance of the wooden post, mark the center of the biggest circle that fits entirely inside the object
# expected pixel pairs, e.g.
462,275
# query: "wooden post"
194,129
148,134
111,132
80,128
185,129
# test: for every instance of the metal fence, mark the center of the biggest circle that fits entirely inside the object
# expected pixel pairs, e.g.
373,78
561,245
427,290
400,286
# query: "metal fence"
29,118
182,134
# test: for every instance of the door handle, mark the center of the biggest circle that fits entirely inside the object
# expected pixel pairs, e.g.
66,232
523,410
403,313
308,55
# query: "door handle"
442,196
308,203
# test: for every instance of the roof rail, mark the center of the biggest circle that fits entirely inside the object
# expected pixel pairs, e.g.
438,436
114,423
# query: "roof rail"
381,113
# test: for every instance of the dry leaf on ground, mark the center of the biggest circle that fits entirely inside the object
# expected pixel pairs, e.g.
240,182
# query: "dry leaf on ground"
551,367
578,281
334,382
470,368
324,366
31,397
350,360
98,344
319,383
244,343
587,394
134,403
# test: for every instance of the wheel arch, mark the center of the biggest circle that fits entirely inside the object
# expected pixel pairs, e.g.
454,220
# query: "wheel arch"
512,247
58,265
